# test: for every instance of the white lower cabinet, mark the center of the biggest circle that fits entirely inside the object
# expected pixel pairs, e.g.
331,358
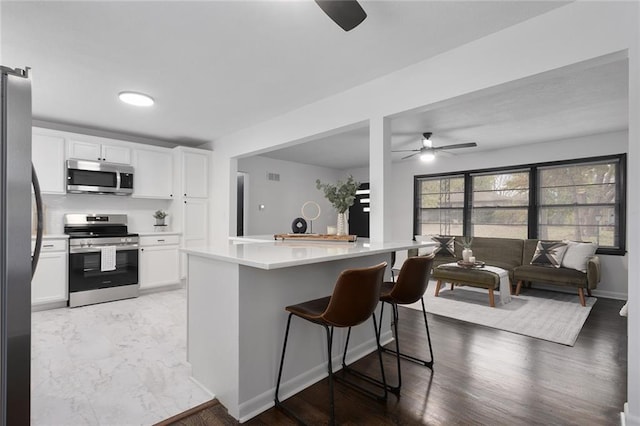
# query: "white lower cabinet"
49,284
159,261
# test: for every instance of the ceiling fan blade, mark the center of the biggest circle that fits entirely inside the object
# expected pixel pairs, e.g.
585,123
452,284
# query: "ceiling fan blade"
456,146
409,156
407,150
348,14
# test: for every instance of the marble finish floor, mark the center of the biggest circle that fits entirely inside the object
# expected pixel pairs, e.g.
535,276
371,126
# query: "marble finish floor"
117,363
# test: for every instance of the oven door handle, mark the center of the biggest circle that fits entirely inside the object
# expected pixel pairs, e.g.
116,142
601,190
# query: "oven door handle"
97,249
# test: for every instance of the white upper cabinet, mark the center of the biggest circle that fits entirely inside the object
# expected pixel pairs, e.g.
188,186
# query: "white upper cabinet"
47,155
97,151
195,168
153,173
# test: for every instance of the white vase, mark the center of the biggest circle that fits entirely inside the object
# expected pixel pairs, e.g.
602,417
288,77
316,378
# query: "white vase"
343,225
466,254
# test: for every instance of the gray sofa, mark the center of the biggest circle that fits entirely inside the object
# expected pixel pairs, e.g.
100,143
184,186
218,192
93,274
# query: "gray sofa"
515,256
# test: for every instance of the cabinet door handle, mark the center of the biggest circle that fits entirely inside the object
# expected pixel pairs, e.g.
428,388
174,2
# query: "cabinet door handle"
47,245
161,241
141,249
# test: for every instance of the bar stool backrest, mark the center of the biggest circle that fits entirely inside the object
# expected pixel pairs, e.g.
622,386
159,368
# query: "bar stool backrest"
413,279
355,296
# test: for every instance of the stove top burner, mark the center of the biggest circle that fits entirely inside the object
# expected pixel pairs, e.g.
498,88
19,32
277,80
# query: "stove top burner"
96,226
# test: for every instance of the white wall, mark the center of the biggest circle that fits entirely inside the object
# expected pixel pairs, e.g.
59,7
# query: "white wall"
139,211
283,200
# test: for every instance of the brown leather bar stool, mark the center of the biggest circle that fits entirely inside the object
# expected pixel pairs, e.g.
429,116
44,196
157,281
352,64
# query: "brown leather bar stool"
353,301
409,288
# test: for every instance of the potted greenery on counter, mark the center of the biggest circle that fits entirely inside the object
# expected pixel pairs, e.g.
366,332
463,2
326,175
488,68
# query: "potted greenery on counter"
160,216
342,195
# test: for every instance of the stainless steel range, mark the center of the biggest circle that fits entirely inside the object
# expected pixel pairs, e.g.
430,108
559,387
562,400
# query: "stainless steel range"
103,258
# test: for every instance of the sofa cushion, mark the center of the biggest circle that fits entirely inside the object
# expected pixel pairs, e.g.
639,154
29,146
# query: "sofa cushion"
505,253
578,254
544,274
549,253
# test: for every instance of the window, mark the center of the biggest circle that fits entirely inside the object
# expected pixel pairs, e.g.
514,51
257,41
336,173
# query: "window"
440,205
500,204
576,200
579,202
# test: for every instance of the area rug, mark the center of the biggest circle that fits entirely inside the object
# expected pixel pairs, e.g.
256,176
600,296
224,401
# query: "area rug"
547,315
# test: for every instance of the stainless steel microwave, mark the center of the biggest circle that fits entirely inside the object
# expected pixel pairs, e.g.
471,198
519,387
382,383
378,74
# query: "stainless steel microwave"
94,177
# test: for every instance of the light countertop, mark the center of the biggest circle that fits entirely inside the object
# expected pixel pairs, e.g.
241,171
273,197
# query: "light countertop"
265,253
52,236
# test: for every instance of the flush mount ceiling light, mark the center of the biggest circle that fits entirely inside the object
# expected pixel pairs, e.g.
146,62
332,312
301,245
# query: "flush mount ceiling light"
137,99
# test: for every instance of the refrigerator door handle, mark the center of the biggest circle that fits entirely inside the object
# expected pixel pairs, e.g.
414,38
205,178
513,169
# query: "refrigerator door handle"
36,190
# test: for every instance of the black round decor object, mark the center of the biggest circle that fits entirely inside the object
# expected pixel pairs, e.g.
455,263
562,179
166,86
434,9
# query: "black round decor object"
299,226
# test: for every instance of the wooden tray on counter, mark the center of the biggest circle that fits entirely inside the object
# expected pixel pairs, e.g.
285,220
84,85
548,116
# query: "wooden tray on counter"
316,237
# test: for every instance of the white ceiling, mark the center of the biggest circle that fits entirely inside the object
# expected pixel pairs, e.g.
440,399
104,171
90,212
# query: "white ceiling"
569,103
220,66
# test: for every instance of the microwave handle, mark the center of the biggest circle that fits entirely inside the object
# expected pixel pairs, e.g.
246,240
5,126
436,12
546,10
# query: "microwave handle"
118,181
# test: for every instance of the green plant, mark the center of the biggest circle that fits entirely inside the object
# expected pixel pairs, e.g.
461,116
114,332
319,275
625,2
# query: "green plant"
466,242
342,195
160,214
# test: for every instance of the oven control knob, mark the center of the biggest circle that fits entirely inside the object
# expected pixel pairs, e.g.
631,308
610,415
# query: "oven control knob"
128,240
122,240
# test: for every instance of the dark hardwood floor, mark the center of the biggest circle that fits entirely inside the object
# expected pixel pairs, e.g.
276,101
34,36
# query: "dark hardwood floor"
481,376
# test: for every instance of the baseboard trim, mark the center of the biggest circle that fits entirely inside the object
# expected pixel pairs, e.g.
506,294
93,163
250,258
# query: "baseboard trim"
251,408
189,412
572,290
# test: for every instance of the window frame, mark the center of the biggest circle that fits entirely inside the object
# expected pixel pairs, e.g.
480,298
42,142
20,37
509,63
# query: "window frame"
417,194
620,206
472,191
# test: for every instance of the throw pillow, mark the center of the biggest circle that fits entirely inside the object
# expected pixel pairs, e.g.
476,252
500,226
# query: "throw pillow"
577,255
444,246
549,253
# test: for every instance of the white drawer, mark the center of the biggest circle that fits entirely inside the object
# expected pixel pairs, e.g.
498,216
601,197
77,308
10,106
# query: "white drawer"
51,245
159,240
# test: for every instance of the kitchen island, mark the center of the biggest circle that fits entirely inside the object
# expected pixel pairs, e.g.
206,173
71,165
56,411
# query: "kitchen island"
237,292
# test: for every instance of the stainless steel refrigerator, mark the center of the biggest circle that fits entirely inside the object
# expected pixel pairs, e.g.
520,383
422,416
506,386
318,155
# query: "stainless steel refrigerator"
16,262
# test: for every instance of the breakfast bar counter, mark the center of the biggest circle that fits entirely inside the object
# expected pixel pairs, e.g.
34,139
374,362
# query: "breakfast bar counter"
237,292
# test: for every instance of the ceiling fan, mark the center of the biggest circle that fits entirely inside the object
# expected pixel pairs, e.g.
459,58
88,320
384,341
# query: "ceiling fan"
427,151
348,14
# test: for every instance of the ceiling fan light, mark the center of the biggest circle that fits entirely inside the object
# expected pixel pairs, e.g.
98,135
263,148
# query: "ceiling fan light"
427,156
137,99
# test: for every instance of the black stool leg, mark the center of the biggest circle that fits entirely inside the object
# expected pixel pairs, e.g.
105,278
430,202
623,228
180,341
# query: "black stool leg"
429,363
284,348
426,326
278,403
332,418
347,369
